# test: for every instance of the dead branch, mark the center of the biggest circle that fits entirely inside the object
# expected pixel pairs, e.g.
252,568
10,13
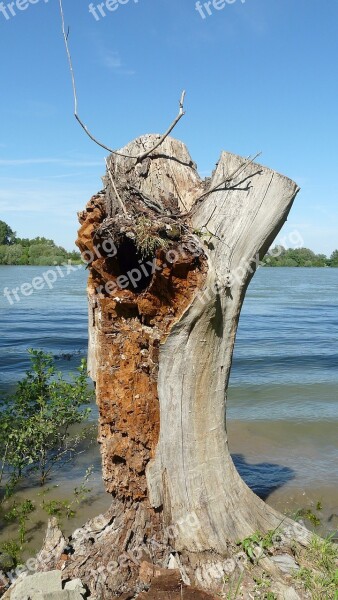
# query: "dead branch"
115,188
181,114
248,161
149,202
140,156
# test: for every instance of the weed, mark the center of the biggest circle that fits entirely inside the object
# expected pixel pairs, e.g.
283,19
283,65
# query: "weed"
324,552
232,594
146,241
12,548
307,513
262,581
255,545
35,422
20,513
66,508
319,575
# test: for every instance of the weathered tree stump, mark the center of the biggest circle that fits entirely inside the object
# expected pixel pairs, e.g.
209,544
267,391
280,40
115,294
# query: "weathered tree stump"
172,258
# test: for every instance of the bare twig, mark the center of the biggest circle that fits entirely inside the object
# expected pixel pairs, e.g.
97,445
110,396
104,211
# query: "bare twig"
209,219
115,189
181,114
248,161
139,157
172,177
70,62
157,206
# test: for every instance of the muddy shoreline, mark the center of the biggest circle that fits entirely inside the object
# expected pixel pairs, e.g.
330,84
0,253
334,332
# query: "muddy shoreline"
255,450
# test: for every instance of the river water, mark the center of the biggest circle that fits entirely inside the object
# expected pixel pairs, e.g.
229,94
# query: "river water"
282,404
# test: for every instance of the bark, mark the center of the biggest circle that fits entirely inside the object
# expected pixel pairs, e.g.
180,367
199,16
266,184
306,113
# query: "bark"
160,353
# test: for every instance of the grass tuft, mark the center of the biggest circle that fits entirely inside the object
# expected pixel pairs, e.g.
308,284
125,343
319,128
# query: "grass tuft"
147,242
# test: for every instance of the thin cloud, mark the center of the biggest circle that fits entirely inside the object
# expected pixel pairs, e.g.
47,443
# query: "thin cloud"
112,61
108,57
36,200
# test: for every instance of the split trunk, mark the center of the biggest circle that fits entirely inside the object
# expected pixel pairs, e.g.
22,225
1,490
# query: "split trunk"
171,256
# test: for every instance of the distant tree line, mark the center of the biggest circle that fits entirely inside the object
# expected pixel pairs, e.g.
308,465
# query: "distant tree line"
39,251
298,257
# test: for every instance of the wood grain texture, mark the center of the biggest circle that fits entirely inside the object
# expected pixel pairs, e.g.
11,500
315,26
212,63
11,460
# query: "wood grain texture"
193,467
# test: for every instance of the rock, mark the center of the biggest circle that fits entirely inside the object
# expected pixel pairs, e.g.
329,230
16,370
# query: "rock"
287,593
47,586
61,595
36,586
6,562
76,585
285,562
4,582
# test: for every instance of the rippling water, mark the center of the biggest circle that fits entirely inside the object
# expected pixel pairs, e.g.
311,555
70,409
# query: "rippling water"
284,385
53,319
283,394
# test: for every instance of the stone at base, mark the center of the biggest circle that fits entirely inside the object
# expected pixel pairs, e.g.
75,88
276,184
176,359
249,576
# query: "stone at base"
45,586
39,582
285,562
287,593
75,585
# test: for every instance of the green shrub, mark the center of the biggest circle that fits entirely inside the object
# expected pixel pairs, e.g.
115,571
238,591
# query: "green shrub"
36,422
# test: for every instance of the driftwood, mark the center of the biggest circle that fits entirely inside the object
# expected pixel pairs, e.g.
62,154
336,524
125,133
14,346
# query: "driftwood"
167,278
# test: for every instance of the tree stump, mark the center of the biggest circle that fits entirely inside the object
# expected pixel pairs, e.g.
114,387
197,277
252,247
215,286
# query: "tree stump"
171,256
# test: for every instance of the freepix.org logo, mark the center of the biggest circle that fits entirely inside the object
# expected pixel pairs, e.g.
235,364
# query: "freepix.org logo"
207,9
100,10
12,9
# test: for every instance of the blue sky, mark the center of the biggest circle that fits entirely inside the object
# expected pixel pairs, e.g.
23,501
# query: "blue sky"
259,75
